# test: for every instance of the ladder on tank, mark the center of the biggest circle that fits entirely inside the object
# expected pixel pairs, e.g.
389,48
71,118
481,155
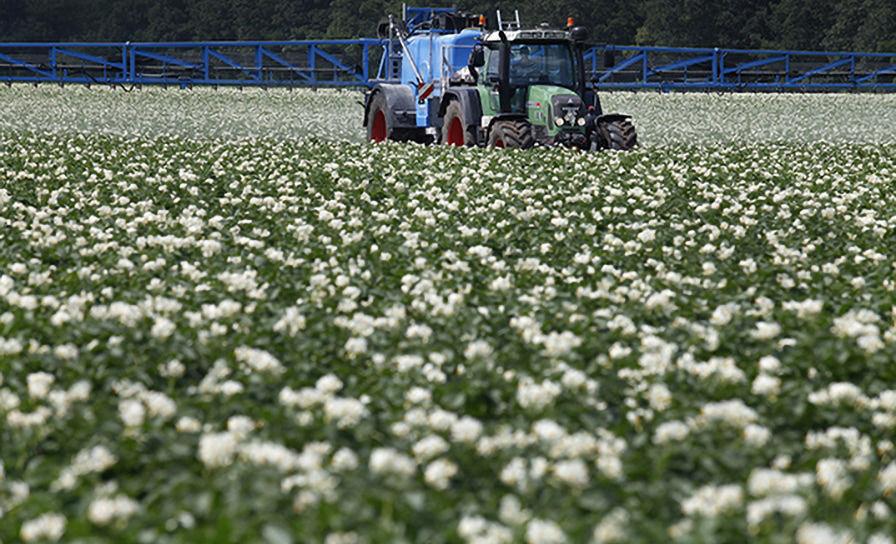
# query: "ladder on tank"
509,25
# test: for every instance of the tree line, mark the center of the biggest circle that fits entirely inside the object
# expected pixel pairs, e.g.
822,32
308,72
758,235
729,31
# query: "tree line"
862,25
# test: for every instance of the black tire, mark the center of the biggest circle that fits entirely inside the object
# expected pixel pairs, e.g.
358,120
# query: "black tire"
618,135
515,134
456,128
379,122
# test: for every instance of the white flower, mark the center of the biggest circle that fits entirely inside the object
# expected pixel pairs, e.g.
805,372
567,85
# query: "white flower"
390,461
39,384
188,425
512,512
478,349
732,412
572,472
557,344
158,404
466,429
723,315
439,473
833,476
844,393
756,435
514,474
87,461
887,478
343,538
345,459
502,283
345,412
328,384
103,511
766,385
478,530
537,396
162,328
766,330
291,322
712,501
659,397
429,447
240,426
612,528
418,395
172,369
748,266
217,449
540,531
670,431
806,308
132,412
770,364
789,505
355,346
766,482
49,527
258,360
647,235
820,533
574,378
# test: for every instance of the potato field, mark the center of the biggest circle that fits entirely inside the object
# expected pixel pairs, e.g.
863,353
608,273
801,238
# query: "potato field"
226,318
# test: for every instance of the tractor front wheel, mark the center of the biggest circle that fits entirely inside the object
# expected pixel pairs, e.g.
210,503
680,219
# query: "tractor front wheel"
516,134
619,135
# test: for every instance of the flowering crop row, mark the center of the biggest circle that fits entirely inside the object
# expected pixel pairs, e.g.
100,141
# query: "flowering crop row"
254,113
281,340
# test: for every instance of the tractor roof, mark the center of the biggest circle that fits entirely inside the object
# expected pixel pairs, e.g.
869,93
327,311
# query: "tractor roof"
536,34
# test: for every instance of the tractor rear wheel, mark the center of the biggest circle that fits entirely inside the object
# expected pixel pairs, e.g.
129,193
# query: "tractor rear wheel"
516,134
379,122
455,129
619,134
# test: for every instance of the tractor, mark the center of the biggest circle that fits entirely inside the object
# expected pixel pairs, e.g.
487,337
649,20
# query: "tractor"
461,84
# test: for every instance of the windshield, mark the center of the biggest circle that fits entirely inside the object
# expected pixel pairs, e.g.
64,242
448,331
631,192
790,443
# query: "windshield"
534,63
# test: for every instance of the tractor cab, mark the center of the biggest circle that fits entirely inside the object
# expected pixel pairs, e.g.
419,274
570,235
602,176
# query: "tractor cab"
536,76
533,63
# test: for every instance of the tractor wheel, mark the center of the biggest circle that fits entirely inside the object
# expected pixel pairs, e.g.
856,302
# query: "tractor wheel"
379,121
512,134
619,135
455,129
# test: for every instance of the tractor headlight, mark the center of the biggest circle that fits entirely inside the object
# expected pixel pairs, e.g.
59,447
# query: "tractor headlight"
581,122
559,121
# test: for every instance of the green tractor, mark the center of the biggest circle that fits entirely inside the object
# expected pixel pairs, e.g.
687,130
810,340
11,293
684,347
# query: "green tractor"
463,85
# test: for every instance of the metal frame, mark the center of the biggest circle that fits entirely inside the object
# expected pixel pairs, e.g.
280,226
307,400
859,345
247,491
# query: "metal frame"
365,62
308,63
674,68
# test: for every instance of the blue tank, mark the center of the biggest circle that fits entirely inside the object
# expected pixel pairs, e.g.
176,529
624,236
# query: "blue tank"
437,55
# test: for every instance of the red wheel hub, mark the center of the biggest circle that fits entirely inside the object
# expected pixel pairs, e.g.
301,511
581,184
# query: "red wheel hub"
378,129
455,133
499,143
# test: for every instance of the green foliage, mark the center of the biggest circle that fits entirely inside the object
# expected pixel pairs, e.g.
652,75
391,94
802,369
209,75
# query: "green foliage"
809,24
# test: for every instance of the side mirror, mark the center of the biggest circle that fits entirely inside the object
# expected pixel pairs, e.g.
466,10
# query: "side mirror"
578,34
382,30
477,57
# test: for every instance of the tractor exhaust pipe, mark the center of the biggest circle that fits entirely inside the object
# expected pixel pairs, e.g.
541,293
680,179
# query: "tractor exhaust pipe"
579,35
504,90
